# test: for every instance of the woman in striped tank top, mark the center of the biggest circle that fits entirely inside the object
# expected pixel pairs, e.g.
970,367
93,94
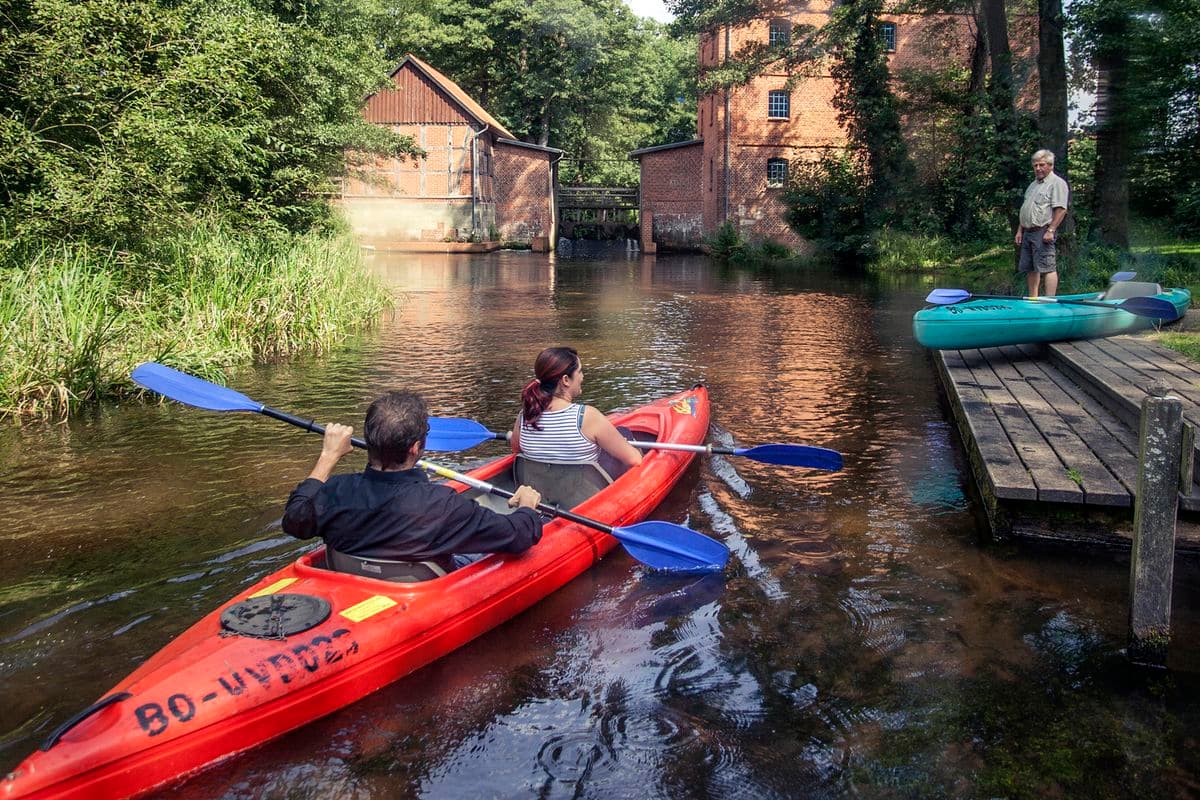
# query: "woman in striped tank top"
553,427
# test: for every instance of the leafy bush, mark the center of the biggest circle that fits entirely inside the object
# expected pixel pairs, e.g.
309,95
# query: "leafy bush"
826,202
726,243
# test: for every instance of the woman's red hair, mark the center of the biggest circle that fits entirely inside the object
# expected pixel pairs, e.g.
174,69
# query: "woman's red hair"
551,365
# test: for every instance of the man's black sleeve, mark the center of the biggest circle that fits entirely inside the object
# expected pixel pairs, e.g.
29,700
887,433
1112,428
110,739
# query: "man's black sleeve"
300,514
471,528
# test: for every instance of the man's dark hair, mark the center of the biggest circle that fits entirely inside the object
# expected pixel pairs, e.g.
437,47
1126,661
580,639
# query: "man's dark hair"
394,421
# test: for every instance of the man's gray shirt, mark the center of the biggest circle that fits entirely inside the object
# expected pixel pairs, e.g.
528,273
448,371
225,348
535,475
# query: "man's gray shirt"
1041,198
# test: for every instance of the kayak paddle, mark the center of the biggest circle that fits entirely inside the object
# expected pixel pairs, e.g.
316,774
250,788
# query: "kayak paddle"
1119,277
658,544
1152,307
457,433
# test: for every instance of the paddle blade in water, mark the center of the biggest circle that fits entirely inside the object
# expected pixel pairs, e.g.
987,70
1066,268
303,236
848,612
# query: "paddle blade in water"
671,547
1152,307
455,433
793,455
945,297
189,389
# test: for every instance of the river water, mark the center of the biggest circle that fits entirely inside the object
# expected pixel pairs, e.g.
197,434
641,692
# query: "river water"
866,640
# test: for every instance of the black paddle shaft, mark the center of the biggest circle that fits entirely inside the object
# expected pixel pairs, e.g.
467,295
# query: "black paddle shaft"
309,425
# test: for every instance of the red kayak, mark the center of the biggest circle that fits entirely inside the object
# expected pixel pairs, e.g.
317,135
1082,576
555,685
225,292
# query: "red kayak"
211,694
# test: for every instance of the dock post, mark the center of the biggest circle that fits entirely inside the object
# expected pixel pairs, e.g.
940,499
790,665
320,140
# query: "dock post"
1155,507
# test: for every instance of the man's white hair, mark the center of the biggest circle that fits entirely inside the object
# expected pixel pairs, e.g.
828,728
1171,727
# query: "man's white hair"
1043,155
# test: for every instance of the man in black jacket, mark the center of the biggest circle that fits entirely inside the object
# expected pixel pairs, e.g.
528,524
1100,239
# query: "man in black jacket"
391,511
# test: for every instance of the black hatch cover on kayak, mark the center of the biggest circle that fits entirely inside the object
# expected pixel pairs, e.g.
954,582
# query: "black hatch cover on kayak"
274,616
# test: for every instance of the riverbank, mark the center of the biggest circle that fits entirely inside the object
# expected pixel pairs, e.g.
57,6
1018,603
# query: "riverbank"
75,319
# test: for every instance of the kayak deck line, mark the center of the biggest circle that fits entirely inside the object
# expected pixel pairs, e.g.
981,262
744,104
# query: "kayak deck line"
1053,427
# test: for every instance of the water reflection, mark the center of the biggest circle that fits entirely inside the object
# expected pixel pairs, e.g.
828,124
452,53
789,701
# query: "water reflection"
862,642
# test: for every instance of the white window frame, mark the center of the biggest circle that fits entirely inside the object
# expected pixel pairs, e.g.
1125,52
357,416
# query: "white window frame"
778,99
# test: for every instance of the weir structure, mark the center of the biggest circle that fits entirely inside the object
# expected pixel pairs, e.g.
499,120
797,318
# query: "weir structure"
597,212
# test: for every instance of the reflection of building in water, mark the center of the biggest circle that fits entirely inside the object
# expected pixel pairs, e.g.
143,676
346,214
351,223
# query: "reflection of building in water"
750,136
477,182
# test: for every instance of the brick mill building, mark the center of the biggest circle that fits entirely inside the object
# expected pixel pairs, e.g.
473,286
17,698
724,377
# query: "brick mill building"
476,181
748,136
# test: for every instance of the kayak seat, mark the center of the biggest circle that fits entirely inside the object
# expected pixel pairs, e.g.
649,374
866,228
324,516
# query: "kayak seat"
383,569
1127,289
562,485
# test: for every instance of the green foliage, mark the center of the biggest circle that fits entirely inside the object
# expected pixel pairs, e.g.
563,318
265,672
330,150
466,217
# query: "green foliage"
726,243
585,77
122,117
76,319
827,202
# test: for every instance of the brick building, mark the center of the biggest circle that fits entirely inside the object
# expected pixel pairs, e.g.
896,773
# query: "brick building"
476,179
748,136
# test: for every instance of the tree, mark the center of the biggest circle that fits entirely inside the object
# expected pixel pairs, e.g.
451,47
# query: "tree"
122,118
1052,82
585,76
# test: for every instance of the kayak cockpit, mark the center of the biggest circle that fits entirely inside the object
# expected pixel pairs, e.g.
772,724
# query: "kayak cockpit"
560,484
1127,289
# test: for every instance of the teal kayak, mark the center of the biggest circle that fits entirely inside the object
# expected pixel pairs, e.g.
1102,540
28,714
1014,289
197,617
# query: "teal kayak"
992,322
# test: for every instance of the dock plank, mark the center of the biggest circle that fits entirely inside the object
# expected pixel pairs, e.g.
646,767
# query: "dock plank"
1004,469
1091,418
1068,429
1045,467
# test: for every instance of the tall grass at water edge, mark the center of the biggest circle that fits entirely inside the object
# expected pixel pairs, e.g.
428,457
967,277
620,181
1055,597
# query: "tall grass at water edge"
75,320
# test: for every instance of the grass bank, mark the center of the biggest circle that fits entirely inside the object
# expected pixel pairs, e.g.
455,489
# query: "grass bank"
74,319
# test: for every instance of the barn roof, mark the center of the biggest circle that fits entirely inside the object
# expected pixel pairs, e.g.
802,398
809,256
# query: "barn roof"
457,94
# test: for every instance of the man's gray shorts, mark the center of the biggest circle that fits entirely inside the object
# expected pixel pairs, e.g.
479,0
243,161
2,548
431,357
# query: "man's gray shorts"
1037,255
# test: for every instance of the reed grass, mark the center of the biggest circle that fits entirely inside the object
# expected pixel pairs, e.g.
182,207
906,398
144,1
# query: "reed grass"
75,320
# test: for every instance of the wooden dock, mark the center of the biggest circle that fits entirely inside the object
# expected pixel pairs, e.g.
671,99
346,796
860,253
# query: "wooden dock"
1052,432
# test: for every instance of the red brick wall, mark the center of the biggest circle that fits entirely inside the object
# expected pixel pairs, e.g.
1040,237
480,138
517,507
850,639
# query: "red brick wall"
524,197
671,217
753,138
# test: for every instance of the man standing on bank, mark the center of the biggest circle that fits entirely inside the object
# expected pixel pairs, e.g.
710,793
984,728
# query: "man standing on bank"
1042,213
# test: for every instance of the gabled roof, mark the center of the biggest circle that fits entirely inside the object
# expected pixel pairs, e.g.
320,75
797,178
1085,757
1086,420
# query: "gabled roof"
456,93
660,147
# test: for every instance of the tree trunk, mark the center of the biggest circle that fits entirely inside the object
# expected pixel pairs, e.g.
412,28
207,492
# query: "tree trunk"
1052,82
1111,186
1002,99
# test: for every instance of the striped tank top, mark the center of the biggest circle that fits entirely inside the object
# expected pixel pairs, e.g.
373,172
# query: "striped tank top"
560,439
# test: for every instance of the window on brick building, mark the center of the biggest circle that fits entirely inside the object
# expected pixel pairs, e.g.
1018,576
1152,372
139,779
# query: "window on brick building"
887,32
780,32
779,104
777,171
710,174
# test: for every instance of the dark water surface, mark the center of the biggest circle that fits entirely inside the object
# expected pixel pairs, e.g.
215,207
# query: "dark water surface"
865,640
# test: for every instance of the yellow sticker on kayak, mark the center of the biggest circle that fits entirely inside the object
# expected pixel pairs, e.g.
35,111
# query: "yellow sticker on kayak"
686,405
275,587
368,608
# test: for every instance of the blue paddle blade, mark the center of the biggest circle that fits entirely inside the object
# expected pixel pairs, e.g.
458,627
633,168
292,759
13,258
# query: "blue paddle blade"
671,547
188,389
1153,307
1117,277
456,433
944,297
793,455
